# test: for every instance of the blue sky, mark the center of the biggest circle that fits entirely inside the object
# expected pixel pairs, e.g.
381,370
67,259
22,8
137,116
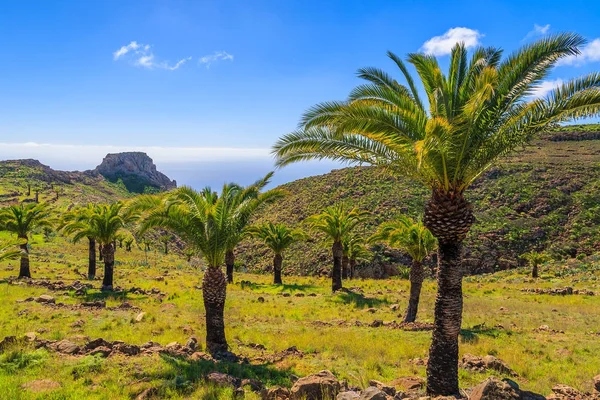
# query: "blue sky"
87,77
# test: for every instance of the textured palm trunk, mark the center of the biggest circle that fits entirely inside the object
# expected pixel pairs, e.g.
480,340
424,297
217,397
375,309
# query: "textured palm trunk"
24,271
534,271
92,258
108,255
166,248
345,265
449,217
352,268
336,275
277,263
229,263
99,252
214,292
416,283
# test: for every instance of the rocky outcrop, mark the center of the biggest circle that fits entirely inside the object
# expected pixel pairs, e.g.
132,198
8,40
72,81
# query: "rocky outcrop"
136,170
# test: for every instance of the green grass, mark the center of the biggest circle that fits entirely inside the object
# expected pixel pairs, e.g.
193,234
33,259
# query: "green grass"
321,326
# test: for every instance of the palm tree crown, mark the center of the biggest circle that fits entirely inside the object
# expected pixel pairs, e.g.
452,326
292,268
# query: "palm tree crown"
22,219
336,221
103,222
276,237
407,235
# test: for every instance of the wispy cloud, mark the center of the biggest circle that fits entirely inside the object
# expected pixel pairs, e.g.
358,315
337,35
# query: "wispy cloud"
538,30
545,87
589,53
213,58
442,45
141,55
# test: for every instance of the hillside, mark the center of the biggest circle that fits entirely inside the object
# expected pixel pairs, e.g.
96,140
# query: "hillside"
21,179
544,198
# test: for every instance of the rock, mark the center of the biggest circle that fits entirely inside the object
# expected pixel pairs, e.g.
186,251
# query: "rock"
223,380
30,336
94,304
371,310
597,383
101,350
564,392
348,395
147,394
45,299
40,385
376,324
320,386
66,347
389,390
494,389
135,169
286,294
275,393
192,343
260,299
373,393
140,317
395,307
78,324
254,384
7,341
409,383
91,345
200,356
127,349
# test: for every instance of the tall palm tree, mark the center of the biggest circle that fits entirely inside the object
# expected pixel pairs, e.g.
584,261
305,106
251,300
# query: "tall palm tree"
22,220
205,221
277,237
104,223
416,240
481,110
336,222
75,218
254,198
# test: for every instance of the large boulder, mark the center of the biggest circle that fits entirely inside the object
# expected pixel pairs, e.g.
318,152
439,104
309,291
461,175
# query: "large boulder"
320,386
348,395
494,389
275,393
373,393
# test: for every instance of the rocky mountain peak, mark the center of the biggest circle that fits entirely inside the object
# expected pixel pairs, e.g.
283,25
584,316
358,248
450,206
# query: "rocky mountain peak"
136,170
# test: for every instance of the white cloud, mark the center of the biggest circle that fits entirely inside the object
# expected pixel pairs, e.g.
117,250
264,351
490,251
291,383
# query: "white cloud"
88,156
217,56
141,55
538,30
442,45
589,53
545,87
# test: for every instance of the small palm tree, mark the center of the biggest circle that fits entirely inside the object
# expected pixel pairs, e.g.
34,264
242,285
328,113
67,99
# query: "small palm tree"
277,237
77,217
336,222
104,223
165,239
355,250
206,222
22,220
481,110
416,240
534,259
252,198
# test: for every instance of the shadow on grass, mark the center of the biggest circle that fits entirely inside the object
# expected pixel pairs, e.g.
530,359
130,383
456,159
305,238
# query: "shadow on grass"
359,299
472,335
185,376
99,296
273,287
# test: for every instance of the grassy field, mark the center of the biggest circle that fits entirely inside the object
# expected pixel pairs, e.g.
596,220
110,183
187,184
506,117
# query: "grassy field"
499,319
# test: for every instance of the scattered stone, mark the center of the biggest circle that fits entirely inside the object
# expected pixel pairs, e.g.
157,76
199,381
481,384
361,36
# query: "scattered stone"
560,291
395,307
94,304
597,383
494,389
319,386
78,324
254,384
376,324
147,394
275,393
299,295
373,393
140,317
482,364
223,380
40,385
200,356
409,383
30,336
45,299
348,395
66,347
7,341
546,328
261,299
192,343
389,390
371,310
564,392
91,345
286,294
101,350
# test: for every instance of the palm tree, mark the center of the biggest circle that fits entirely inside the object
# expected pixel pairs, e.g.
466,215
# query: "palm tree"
253,196
355,250
336,222
104,223
22,220
205,221
481,110
165,239
277,237
75,218
534,259
416,240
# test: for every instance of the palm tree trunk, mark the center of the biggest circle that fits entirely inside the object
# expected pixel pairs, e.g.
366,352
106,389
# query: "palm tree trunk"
336,275
352,263
345,263
277,263
449,217
108,255
416,282
229,262
99,252
166,248
534,271
92,258
214,292
24,271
